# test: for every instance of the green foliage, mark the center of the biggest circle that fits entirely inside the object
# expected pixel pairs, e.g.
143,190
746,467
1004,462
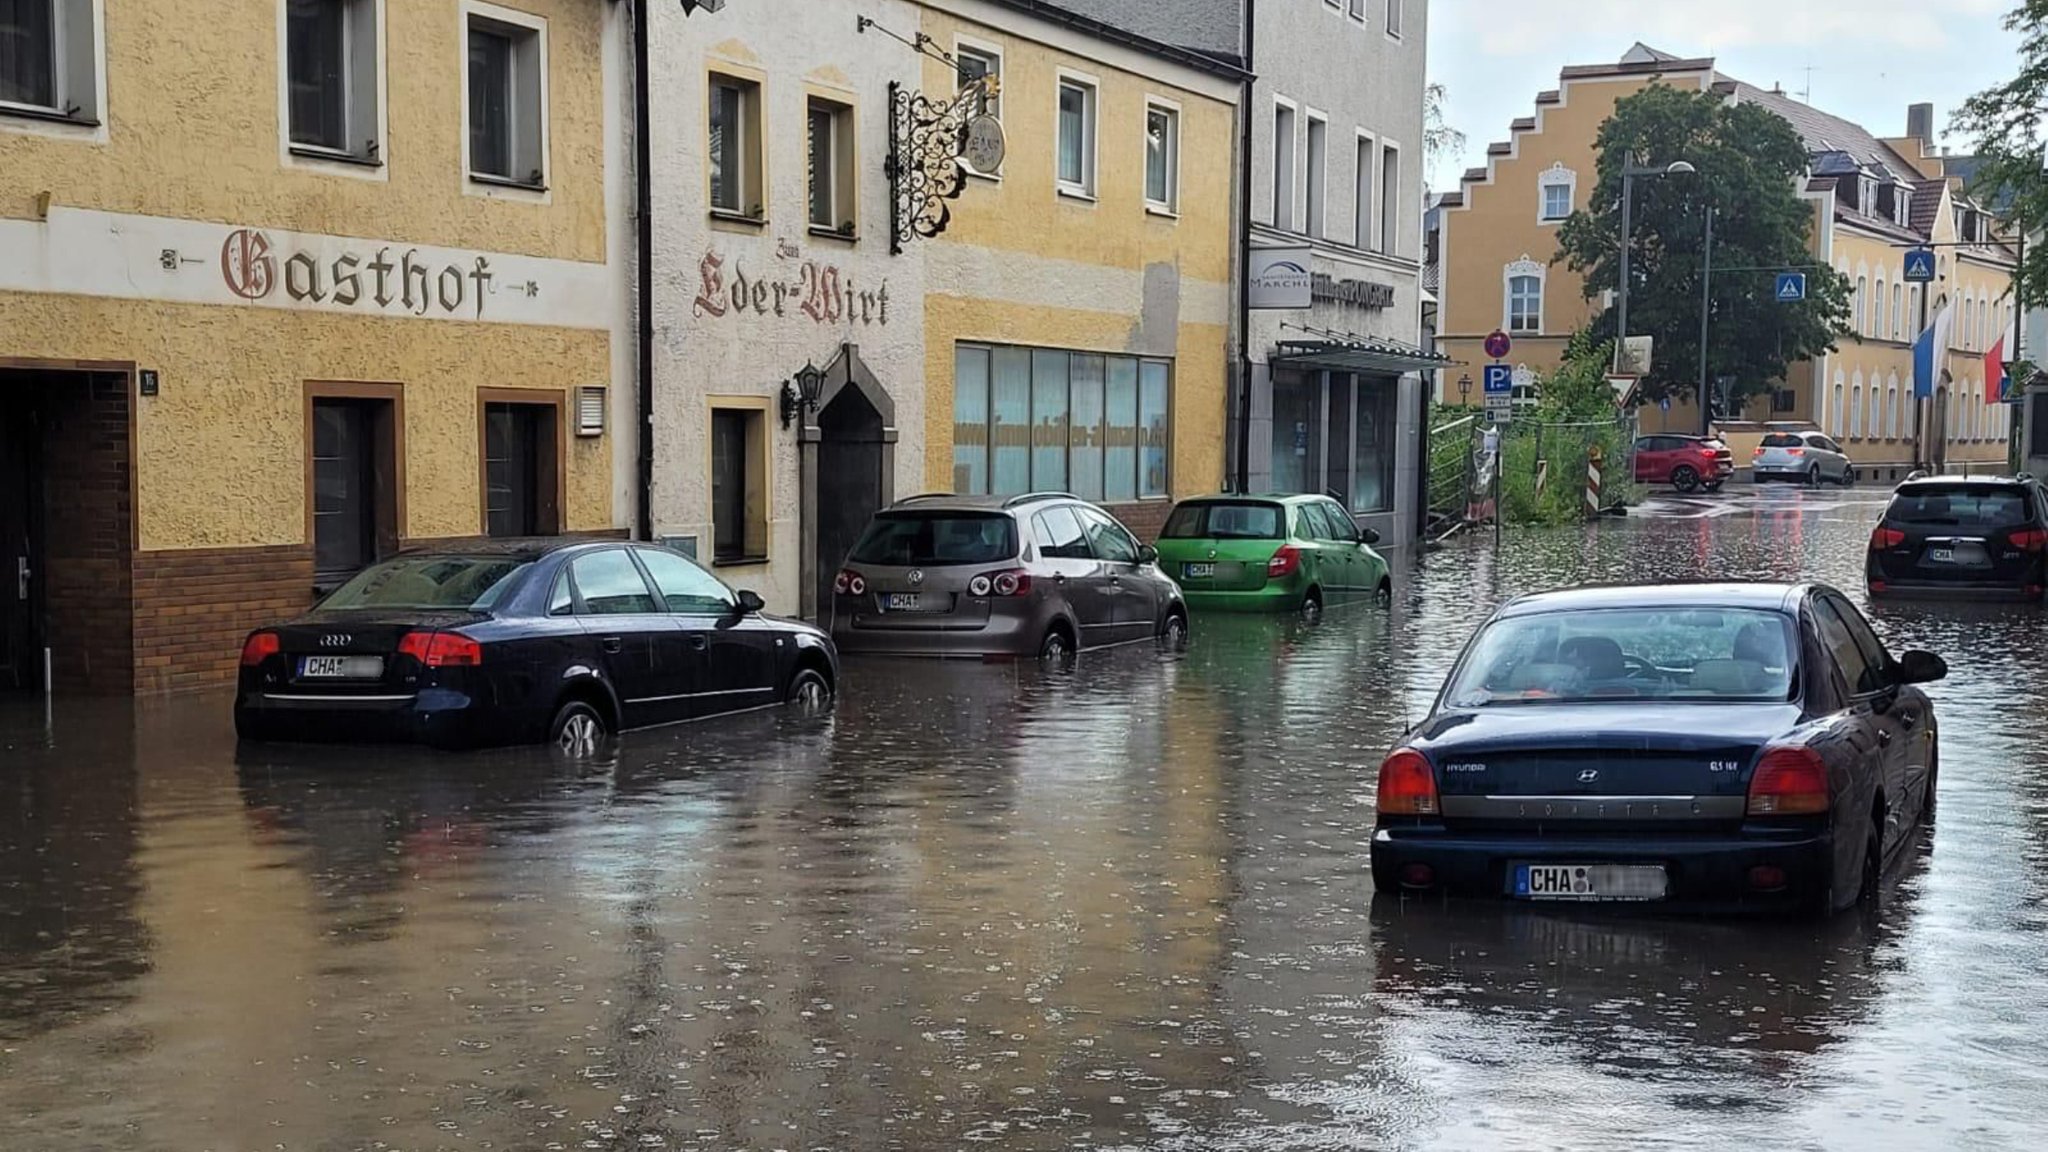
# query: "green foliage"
1577,413
2005,122
1749,167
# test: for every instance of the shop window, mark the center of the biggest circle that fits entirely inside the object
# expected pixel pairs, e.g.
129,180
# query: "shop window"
1041,419
1085,433
331,49
507,98
1375,444
354,485
739,485
49,60
1077,137
735,147
522,468
1162,158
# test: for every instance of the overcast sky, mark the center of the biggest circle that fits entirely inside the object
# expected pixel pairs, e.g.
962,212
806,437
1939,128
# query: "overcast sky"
1870,58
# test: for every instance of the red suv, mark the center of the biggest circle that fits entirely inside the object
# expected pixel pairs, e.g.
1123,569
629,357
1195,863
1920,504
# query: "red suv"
1684,462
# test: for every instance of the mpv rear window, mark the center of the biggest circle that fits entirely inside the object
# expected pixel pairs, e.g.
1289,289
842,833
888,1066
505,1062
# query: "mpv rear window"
933,539
1960,506
1783,440
1231,520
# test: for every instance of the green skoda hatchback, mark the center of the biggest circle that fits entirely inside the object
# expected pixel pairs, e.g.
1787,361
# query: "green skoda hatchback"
1271,554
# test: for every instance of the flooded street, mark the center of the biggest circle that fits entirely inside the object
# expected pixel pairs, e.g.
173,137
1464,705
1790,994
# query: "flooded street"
1124,908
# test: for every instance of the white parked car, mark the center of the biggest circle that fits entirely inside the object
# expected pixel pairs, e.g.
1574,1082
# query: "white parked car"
1806,457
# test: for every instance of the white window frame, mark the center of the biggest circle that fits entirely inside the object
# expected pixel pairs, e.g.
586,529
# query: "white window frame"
1091,131
1169,207
992,53
1315,195
1392,20
1365,217
78,78
1902,203
1525,267
1556,176
1293,163
1390,213
487,184
1355,12
753,143
845,178
357,164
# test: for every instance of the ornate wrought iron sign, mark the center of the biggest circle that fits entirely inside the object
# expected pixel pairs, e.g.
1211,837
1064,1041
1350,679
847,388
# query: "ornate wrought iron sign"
928,140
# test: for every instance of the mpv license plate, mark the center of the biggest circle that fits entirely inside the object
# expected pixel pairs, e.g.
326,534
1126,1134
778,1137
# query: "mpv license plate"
1198,571
1590,881
903,602
341,667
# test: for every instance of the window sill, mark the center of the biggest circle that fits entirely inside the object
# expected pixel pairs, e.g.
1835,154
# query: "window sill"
1550,221
328,155
1154,208
1069,192
834,234
738,561
490,181
730,217
45,115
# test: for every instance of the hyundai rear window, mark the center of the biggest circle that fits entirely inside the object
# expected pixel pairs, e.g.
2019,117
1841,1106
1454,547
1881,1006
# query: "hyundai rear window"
933,539
1235,520
429,582
1960,506
1707,655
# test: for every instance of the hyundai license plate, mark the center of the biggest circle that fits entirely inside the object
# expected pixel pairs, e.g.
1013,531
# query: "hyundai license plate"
340,667
1198,571
903,602
1942,555
1590,881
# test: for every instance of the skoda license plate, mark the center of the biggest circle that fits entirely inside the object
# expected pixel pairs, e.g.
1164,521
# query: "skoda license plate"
341,667
903,602
1198,571
1590,881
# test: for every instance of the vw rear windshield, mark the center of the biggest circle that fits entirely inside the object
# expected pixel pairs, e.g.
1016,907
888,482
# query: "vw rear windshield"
1709,655
429,583
1977,506
1225,520
935,539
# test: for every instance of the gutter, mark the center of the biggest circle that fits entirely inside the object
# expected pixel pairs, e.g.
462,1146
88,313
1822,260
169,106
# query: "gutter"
1244,255
643,210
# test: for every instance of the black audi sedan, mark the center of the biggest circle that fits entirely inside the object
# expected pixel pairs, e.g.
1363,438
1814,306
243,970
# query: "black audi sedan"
1958,537
560,641
1736,745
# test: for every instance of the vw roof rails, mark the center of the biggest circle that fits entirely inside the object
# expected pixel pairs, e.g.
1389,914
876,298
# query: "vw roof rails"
1035,497
927,496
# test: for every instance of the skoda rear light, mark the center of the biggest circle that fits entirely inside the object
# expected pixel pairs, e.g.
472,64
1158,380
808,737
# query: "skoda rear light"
260,646
1285,562
2030,539
442,649
1407,785
1885,539
1789,782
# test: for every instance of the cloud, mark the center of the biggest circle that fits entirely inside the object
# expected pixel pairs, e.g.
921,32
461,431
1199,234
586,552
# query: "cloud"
1518,28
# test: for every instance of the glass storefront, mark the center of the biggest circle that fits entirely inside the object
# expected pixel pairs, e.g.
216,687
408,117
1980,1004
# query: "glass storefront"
1336,434
1043,419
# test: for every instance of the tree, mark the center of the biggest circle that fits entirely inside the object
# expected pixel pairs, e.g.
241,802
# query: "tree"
1439,139
2006,121
1749,168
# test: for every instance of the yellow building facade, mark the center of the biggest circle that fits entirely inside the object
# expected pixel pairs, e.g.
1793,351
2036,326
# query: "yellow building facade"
1078,305
1873,200
284,287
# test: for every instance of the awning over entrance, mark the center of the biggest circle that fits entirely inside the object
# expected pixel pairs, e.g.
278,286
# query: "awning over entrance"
1357,354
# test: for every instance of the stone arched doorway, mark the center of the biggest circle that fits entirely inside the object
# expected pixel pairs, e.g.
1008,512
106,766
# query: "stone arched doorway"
849,471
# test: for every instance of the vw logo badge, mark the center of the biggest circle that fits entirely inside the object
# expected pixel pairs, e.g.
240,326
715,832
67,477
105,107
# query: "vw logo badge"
1589,775
916,576
336,640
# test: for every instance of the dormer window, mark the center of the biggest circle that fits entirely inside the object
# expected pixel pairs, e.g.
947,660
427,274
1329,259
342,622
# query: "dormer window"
1902,203
1866,195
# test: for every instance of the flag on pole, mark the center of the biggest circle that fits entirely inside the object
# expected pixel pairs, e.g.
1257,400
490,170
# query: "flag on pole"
1930,353
1994,371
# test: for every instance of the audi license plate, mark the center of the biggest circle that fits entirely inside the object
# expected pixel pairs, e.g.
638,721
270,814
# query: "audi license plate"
1590,881
341,667
1198,571
903,602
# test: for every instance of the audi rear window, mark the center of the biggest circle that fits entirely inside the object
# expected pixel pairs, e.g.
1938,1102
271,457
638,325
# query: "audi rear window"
429,582
935,539
1225,520
1960,506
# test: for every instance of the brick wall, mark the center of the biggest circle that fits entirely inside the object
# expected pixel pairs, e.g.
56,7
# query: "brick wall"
88,529
194,607
1145,519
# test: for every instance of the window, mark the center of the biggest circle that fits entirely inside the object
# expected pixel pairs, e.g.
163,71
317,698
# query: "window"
1891,411
354,482
1373,444
1060,535
1077,138
1162,158
508,99
1856,649
1283,167
1783,400
1224,520
1107,538
1898,311
739,486
1357,10
49,59
1037,419
911,539
831,166
1525,303
1390,198
735,147
1363,235
331,49
1318,140
1557,187
1877,299
1902,201
427,582
1538,660
1862,294
611,585
1856,412
684,587
1394,18
521,469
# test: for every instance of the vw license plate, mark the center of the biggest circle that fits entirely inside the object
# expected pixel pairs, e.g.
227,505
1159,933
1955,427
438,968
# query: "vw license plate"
1590,881
341,667
1198,571
903,602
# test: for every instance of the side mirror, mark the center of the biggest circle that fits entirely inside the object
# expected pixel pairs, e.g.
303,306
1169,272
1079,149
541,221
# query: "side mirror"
1368,536
1917,667
750,602
1147,554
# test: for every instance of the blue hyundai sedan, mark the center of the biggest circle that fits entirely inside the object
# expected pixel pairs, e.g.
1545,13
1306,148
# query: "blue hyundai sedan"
1716,744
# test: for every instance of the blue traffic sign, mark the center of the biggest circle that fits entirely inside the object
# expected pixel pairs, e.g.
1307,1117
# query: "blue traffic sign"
1791,287
1920,266
1499,378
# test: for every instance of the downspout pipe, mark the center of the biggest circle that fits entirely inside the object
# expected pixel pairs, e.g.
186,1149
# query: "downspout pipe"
643,212
1244,256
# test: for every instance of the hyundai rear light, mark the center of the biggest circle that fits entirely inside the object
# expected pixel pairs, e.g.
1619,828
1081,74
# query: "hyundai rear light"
442,649
1407,785
260,646
1015,582
2030,539
1285,562
1789,782
1885,539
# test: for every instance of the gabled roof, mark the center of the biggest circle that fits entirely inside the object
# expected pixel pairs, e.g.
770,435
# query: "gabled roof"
1828,134
1926,204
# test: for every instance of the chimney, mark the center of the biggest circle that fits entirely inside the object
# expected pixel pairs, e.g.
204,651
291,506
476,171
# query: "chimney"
1920,123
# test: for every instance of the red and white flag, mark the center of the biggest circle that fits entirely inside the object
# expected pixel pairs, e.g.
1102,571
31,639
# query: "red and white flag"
1994,371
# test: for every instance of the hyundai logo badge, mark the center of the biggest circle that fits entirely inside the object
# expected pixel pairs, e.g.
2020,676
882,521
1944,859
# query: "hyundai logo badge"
1589,775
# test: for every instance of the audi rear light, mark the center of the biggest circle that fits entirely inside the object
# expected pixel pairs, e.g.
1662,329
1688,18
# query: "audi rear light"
2030,539
1015,582
1789,782
260,646
1885,539
1407,785
1285,562
442,649
849,583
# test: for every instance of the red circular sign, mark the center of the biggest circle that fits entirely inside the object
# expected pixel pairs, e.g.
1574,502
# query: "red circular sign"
1497,344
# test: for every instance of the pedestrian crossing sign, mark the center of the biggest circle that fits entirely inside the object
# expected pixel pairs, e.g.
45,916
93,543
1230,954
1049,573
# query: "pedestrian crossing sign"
1791,287
1920,266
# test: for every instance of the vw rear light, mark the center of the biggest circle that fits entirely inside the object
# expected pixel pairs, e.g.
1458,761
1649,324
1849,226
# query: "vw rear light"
260,646
1285,562
1012,583
1407,785
980,586
1885,539
2030,539
849,583
1789,782
442,649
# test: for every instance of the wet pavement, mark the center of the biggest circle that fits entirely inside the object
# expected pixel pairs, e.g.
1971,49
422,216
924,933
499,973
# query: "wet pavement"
1124,908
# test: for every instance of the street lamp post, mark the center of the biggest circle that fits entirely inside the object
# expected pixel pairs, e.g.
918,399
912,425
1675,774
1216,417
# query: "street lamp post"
1465,390
1629,172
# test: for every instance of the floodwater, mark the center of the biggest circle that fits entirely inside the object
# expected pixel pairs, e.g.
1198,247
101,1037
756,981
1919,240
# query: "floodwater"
1124,908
